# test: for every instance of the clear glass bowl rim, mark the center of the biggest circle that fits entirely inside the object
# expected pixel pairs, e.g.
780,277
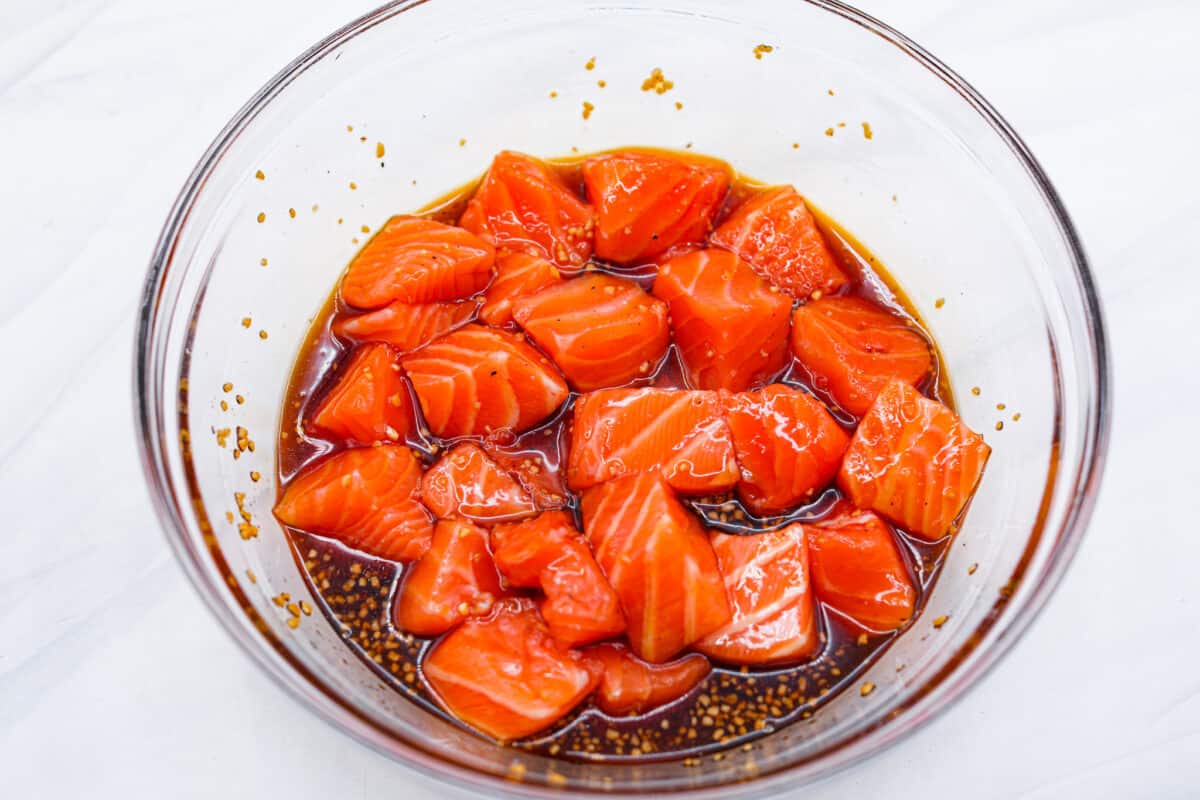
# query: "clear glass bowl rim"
926,701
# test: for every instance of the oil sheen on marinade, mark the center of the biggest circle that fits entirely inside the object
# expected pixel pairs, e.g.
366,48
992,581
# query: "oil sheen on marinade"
730,707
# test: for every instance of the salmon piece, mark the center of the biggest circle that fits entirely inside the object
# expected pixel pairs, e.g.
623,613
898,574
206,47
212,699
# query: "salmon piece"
630,686
517,275
774,615
857,569
730,326
454,580
417,260
647,203
657,558
681,435
776,234
537,471
548,553
523,205
477,380
369,402
505,675
788,446
851,348
913,461
405,326
466,483
600,330
366,498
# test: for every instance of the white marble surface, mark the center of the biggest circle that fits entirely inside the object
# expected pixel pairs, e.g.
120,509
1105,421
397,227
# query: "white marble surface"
114,680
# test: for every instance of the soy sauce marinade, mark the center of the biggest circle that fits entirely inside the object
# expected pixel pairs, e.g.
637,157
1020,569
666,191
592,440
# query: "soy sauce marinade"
731,706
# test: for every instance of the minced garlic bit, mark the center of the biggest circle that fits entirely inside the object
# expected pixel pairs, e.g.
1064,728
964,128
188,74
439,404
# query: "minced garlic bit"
260,175
239,399
262,262
841,124
553,94
262,216
246,321
829,92
591,64
657,82
795,145
222,436
255,475
971,569
262,334
250,574
349,129
366,228
941,301
353,185
292,213
224,406
1000,425
588,108
1016,416
829,131
462,142
861,640
380,150
247,530
940,621
867,132
759,50
602,83
975,390
866,688
1000,406
227,387
678,106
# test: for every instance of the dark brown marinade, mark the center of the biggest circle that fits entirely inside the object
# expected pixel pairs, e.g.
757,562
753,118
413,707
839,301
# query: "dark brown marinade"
732,706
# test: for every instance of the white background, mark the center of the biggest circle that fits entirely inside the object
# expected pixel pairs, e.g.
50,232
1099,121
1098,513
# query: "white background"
114,680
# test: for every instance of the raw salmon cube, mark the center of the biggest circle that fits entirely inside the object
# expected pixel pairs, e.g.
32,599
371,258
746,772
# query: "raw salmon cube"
367,498
681,435
777,235
465,482
647,203
788,446
522,205
548,553
369,402
774,616
658,559
406,326
478,380
505,675
857,569
913,461
454,580
417,260
601,331
730,326
631,686
851,348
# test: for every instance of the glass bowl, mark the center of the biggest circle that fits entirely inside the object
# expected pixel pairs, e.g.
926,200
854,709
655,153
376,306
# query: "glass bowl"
411,101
